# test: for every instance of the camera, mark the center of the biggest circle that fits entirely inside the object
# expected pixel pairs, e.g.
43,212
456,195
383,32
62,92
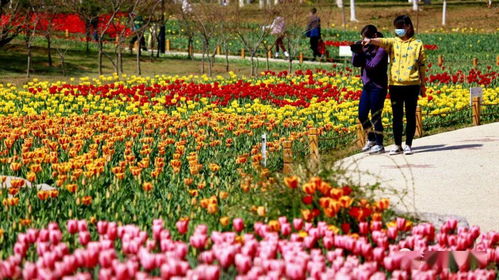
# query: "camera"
357,47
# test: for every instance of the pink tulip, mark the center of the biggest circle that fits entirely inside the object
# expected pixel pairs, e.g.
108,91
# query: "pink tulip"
20,249
298,224
363,228
32,235
206,257
295,271
182,226
203,229
285,229
55,236
243,263
82,225
198,241
105,274
181,250
102,227
29,271
43,235
84,237
106,258
392,232
121,271
238,224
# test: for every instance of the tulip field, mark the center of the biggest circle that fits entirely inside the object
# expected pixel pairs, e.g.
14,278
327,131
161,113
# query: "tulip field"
164,177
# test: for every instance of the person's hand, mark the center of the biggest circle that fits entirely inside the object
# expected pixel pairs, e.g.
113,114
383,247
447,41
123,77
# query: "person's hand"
366,41
423,90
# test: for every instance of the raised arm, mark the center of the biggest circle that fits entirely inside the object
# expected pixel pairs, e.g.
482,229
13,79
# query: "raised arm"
378,59
385,43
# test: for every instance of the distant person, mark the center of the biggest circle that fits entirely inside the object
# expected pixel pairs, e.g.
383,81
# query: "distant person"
373,62
314,32
137,25
407,79
277,28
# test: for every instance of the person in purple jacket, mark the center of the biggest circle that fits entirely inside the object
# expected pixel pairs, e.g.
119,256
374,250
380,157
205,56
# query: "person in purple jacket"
374,63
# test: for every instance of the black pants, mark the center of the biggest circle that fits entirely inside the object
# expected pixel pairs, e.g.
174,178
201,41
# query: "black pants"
400,96
314,46
279,43
372,100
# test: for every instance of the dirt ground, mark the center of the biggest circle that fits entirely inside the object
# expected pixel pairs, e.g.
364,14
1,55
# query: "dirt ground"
477,16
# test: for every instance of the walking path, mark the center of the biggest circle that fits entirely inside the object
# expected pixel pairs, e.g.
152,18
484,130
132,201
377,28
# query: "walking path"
452,173
282,59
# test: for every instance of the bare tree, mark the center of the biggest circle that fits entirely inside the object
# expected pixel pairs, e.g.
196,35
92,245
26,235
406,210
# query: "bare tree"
10,13
252,37
88,11
188,25
30,27
145,13
50,10
208,21
114,7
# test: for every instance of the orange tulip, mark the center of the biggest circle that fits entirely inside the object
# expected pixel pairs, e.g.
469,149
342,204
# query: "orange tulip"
292,182
72,188
147,186
308,188
86,200
212,208
224,221
31,176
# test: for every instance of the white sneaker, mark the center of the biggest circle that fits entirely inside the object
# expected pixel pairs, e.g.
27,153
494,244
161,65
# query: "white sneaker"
377,149
368,146
286,54
408,150
396,150
276,55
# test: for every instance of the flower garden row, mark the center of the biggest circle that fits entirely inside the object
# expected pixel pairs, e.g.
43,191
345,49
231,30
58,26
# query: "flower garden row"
187,149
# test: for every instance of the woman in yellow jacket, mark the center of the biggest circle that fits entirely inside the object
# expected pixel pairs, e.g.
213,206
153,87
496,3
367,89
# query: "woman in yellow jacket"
406,79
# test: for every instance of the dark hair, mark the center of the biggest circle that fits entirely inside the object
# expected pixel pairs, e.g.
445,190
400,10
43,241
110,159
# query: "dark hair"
313,11
403,22
369,31
379,35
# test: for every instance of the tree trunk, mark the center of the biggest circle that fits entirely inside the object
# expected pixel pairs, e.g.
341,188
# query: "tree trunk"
100,56
87,36
253,64
28,67
139,52
49,48
353,17
62,64
343,17
202,60
268,62
444,12
227,59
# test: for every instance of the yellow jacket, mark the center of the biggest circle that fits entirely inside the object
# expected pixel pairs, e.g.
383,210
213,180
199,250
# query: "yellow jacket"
407,60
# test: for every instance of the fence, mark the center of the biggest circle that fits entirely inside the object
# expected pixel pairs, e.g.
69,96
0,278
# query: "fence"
313,135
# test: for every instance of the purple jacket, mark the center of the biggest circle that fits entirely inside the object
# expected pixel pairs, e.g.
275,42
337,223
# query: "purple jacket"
374,65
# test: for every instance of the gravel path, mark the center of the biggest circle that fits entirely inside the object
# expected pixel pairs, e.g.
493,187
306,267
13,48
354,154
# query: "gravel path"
452,173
